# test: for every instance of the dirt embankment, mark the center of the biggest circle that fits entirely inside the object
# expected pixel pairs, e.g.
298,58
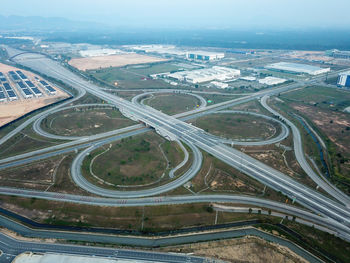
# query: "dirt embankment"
243,250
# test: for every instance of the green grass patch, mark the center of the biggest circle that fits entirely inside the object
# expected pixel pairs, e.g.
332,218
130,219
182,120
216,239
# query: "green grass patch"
172,103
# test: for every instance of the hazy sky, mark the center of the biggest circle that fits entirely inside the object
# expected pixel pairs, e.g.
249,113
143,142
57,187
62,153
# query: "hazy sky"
191,13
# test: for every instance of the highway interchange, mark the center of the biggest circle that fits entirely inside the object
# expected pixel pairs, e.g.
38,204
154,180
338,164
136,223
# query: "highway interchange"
333,214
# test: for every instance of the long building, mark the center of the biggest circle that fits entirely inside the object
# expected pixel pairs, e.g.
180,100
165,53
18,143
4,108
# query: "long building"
338,54
205,75
297,68
270,81
344,79
204,55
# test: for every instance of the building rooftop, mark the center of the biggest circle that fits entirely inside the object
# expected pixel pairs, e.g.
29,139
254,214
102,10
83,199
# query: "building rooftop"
271,81
296,67
205,53
60,258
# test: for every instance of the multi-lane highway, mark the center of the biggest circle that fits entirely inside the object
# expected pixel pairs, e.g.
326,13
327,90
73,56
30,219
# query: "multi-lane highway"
173,128
11,247
334,215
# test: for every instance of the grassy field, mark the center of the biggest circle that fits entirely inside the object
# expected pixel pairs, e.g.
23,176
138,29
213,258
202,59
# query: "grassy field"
152,218
85,121
218,177
150,69
38,175
138,160
134,77
321,97
172,103
281,158
215,98
25,141
238,126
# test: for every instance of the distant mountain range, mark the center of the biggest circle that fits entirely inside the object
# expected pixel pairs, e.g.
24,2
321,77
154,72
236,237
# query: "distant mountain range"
36,23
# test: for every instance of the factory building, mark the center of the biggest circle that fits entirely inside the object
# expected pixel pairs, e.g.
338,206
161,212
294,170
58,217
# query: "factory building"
271,81
205,75
10,92
50,90
219,85
2,95
297,68
344,79
204,55
338,54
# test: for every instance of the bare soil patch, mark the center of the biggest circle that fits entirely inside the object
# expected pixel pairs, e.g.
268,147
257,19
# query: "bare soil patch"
10,111
247,250
112,61
336,126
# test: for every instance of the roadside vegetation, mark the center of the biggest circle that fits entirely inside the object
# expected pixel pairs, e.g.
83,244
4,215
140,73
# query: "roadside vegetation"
155,219
323,109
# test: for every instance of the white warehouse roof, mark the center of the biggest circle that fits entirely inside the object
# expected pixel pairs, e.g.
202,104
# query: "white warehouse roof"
219,85
206,53
206,74
272,81
297,68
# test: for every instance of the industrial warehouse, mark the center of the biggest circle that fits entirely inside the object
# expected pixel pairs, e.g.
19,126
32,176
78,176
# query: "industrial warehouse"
344,79
205,75
204,55
297,68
